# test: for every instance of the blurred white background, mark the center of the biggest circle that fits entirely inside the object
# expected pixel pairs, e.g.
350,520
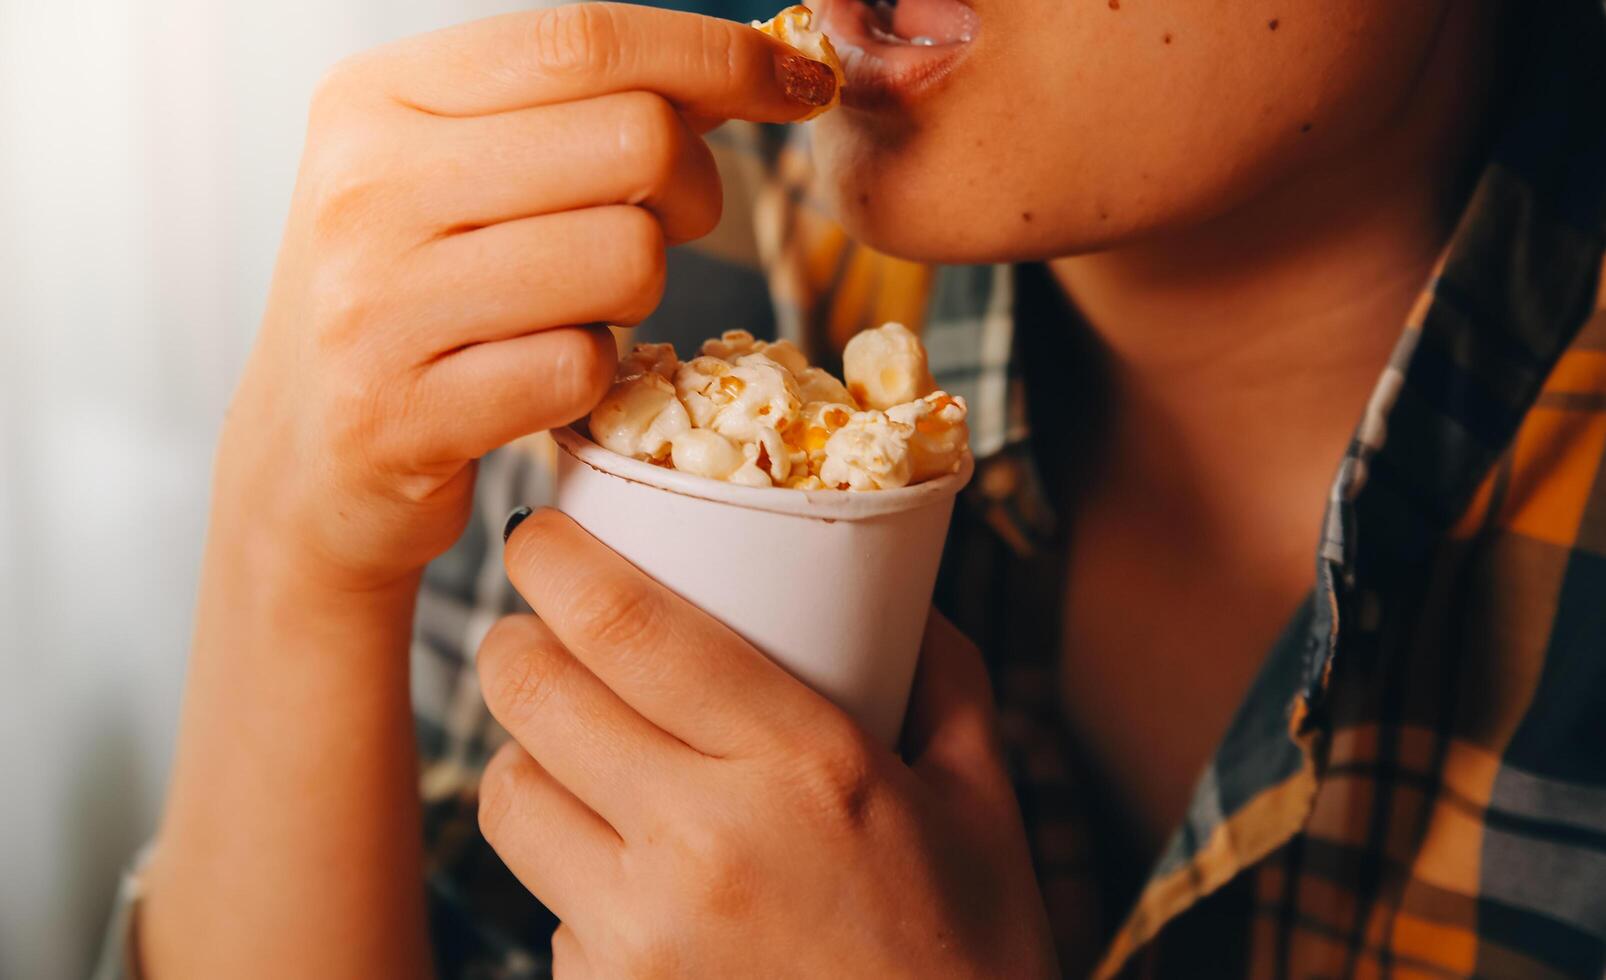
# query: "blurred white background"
147,151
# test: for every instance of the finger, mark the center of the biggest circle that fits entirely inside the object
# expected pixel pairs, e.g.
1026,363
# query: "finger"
599,265
704,65
613,760
558,848
951,731
677,666
624,148
487,395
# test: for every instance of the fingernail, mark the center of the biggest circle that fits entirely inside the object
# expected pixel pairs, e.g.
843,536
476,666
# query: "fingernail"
514,520
806,80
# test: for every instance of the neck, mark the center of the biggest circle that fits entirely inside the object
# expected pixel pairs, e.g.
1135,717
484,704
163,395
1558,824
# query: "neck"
1259,334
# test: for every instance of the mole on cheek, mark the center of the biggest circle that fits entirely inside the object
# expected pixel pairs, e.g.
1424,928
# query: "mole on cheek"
864,200
1115,4
1304,127
1166,37
1026,216
1273,23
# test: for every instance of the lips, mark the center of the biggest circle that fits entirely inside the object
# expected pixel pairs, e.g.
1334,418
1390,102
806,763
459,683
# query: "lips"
925,23
894,52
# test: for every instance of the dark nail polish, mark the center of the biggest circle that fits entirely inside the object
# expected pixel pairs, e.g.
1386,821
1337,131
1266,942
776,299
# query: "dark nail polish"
514,520
806,80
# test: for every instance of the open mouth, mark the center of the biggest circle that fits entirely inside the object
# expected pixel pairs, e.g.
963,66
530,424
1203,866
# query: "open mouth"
920,23
894,49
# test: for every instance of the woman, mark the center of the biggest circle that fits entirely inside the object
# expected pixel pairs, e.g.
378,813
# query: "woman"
1239,248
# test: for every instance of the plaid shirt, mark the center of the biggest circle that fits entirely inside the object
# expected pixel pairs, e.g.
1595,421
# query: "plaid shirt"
1416,781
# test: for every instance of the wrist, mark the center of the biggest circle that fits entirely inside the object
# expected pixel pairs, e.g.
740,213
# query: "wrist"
263,584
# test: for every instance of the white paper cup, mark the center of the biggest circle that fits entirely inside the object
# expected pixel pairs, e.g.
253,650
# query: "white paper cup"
834,586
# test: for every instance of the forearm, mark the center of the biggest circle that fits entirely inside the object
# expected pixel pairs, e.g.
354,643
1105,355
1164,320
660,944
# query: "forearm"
290,845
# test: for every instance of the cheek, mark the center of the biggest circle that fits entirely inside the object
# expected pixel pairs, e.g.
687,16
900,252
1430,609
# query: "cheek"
1121,122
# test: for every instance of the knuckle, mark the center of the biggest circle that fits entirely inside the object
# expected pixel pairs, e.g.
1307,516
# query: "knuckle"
345,307
498,785
336,88
582,370
353,407
567,953
839,781
347,192
724,882
574,39
618,615
649,138
722,57
641,268
706,218
647,953
507,635
520,675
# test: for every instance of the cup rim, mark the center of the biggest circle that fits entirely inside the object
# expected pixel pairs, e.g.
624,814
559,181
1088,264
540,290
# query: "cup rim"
829,505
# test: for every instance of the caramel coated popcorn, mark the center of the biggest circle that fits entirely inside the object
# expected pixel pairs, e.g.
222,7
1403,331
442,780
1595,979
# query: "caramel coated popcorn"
757,413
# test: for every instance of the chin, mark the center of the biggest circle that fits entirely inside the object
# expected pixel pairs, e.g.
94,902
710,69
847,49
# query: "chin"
921,195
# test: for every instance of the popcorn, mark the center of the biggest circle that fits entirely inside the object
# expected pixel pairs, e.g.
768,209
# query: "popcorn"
730,345
639,417
695,383
657,359
819,385
766,461
733,344
704,452
940,433
795,26
786,354
756,413
886,367
756,393
813,427
871,452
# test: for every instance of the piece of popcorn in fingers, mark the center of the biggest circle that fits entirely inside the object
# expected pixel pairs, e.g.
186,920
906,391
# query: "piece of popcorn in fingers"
657,359
940,433
639,417
886,367
870,452
795,26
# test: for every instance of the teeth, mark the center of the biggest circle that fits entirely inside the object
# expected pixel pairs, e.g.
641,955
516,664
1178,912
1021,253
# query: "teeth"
886,37
922,41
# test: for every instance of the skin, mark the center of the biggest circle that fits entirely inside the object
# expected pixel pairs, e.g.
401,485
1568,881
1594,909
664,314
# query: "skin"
1268,180
454,222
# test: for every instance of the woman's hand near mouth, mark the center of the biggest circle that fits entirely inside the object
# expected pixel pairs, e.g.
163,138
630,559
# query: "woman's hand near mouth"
471,205
468,202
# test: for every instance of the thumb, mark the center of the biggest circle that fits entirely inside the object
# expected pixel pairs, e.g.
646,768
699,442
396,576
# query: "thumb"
951,735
